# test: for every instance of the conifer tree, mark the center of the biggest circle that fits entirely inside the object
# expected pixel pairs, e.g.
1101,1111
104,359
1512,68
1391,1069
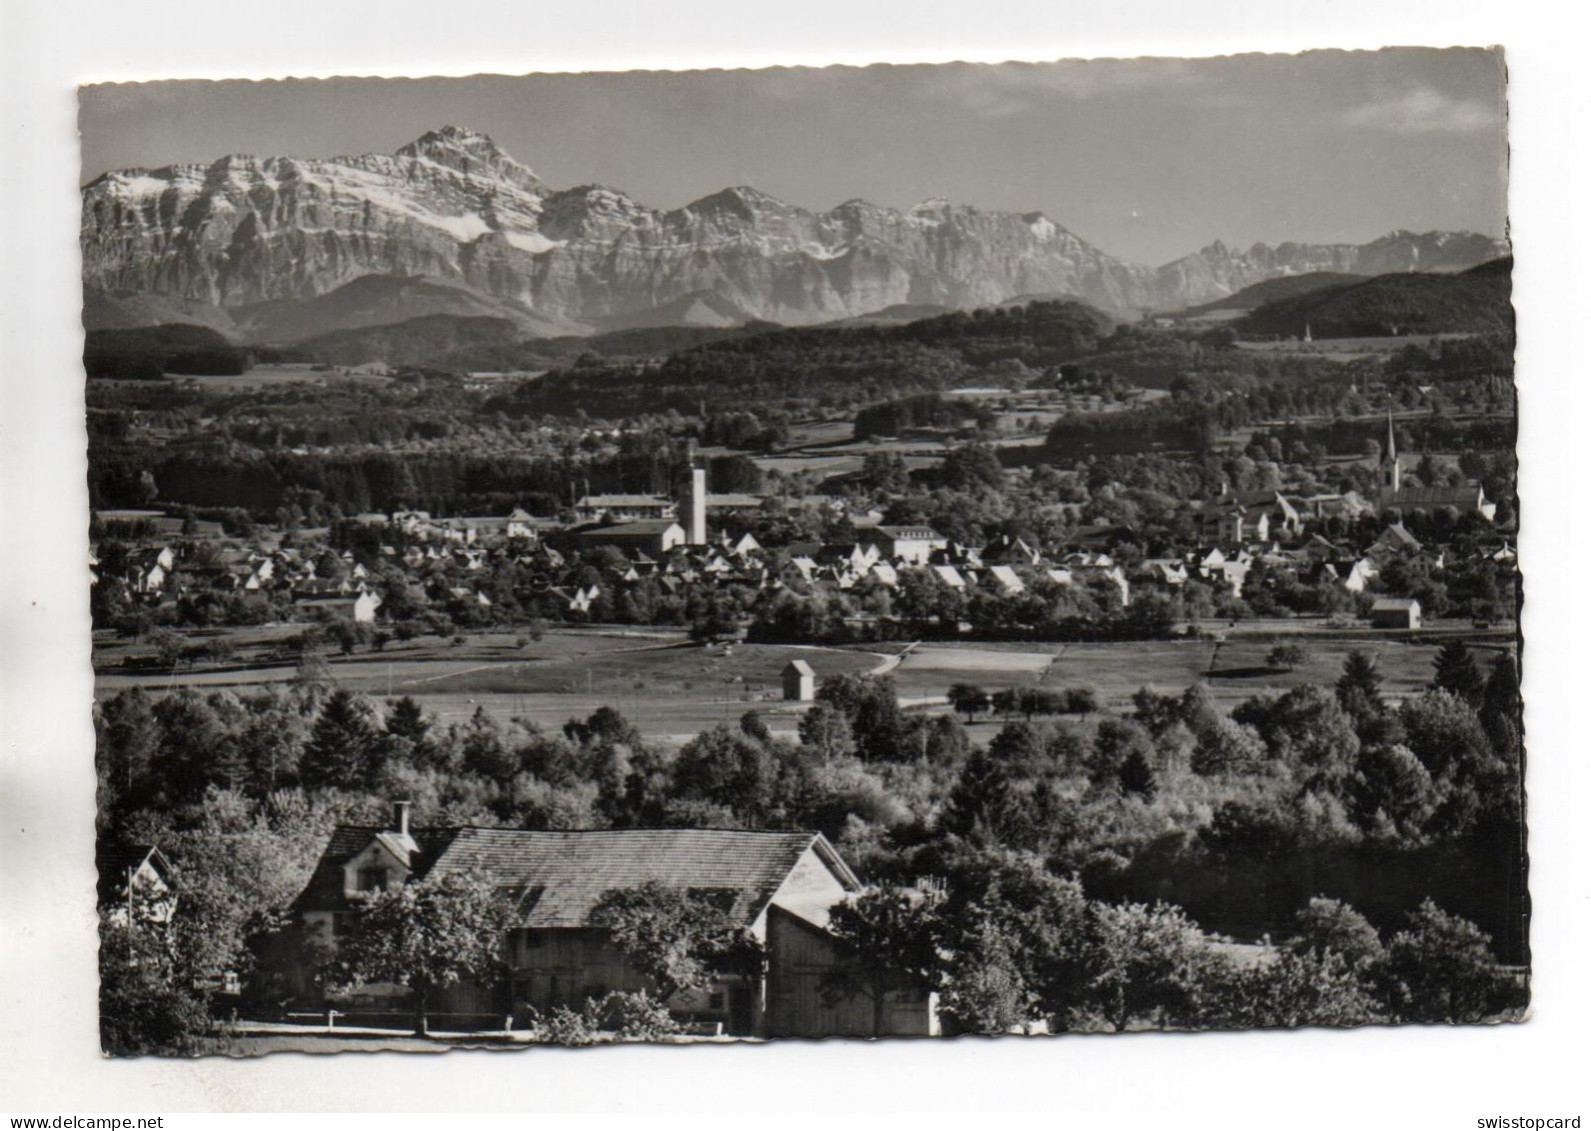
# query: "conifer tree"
1456,671
345,749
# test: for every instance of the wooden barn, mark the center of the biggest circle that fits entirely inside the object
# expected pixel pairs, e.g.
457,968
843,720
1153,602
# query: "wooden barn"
1395,612
780,885
800,681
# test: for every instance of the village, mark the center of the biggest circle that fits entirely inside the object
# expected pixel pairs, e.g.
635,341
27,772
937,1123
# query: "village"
695,560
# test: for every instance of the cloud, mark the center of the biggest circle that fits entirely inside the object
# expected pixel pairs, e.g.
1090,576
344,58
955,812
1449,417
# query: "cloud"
1425,111
999,90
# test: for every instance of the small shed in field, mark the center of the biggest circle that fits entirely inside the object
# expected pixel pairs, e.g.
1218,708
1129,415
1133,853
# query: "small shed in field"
1395,612
800,682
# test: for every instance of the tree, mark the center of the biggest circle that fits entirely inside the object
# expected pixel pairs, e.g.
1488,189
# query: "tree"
345,747
1446,735
168,647
826,729
195,741
269,747
1441,968
1146,964
1359,681
1329,925
889,939
985,990
407,719
426,935
718,618
236,865
1501,708
678,939
1016,933
1307,729
728,768
969,699
146,1004
1293,988
128,742
1115,741
483,751
1226,746
1011,793
971,467
753,727
1136,775
1457,673
869,703
1286,656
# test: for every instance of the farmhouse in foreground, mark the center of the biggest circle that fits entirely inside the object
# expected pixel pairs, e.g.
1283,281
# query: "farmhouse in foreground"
780,885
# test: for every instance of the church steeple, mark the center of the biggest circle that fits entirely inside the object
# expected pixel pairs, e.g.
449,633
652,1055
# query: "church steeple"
1391,468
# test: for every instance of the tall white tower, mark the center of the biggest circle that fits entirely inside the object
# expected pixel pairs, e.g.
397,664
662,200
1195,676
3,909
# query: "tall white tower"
696,508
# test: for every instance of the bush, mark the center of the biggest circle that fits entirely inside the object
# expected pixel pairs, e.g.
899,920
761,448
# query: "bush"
1286,656
634,1016
1441,969
619,1016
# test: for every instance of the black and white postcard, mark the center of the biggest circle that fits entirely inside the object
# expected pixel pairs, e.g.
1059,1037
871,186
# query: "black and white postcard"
894,551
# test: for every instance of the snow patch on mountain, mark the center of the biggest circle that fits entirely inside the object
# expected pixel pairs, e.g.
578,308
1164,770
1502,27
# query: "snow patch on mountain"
533,242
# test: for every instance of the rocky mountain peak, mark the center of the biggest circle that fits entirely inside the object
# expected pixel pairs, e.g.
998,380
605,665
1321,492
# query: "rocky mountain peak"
453,207
469,152
740,200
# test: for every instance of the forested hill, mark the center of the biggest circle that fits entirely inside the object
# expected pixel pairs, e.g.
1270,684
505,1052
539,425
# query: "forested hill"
1274,290
1473,301
146,353
824,365
415,341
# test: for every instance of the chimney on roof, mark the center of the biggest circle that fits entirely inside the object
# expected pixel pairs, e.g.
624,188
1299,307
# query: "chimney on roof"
400,817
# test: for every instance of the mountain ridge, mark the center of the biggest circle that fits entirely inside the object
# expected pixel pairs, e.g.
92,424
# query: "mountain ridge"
454,208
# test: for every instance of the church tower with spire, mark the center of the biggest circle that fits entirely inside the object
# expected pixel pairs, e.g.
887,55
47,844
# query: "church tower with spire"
1391,468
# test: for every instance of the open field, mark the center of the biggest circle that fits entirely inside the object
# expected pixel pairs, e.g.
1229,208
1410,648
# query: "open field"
1235,668
261,376
673,689
1349,349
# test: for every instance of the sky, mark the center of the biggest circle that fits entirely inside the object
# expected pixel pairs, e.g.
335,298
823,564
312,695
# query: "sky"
1148,159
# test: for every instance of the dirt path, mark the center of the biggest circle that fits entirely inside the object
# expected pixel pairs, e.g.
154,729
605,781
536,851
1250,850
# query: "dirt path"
1044,676
887,664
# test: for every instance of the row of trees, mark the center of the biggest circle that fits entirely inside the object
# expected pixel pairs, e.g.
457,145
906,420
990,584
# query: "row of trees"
1243,815
1009,946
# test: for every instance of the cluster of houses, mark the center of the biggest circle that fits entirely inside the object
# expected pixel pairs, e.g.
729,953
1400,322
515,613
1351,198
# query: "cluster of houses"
683,542
156,573
674,559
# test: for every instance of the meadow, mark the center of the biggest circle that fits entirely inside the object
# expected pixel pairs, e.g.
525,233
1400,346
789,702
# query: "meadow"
673,689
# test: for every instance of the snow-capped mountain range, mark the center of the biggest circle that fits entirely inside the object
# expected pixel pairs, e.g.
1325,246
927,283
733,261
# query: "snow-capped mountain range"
256,236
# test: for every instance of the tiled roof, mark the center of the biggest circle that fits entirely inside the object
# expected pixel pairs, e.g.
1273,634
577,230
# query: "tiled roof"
114,863
640,528
1393,604
1434,497
325,889
624,501
908,532
733,499
561,876
557,878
